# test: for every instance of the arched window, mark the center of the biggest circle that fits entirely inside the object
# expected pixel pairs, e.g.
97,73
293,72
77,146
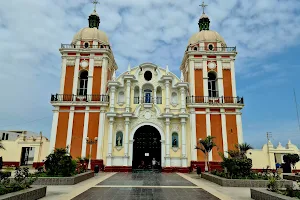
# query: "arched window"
212,85
119,139
121,98
83,82
174,139
174,99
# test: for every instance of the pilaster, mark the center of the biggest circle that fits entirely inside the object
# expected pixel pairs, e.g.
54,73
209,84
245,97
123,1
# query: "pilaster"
110,139
205,77
85,132
53,129
91,74
232,70
239,126
208,129
70,127
76,72
220,77
194,138
168,163
104,75
192,77
183,143
63,74
224,132
127,121
101,128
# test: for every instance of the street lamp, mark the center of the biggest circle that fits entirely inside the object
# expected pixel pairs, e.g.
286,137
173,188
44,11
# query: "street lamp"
91,142
206,167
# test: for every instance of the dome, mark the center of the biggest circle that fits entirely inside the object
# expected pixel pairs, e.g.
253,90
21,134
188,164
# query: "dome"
206,36
91,34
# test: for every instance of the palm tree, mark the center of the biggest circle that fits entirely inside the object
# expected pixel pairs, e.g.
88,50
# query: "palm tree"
243,148
1,145
206,146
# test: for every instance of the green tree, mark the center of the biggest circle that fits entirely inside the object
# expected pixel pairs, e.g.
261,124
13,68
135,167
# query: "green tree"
291,159
206,147
243,148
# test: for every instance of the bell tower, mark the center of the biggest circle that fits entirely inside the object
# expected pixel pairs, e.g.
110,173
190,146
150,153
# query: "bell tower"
79,106
215,108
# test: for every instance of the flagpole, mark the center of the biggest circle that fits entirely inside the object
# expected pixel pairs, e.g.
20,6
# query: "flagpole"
297,109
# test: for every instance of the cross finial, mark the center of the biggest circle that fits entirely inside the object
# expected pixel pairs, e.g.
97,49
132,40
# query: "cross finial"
95,2
203,6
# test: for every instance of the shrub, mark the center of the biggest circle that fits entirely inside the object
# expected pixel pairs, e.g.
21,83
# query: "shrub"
22,180
59,163
237,166
272,185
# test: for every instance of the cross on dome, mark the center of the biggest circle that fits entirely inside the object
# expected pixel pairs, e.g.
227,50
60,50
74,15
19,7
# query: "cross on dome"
203,5
95,2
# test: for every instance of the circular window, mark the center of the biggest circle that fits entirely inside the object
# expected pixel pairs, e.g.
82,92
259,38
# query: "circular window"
211,47
148,75
86,45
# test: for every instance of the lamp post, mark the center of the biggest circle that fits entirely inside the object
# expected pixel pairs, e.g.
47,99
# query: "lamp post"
206,157
91,142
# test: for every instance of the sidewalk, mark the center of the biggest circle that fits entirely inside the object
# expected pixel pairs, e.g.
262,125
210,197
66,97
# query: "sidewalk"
233,193
64,192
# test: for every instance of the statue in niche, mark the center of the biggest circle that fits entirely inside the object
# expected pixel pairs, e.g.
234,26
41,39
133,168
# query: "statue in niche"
119,139
174,140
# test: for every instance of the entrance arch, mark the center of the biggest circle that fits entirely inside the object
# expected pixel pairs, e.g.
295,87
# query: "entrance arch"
146,138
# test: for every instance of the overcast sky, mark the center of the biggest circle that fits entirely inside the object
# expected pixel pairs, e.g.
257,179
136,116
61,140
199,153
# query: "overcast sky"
266,33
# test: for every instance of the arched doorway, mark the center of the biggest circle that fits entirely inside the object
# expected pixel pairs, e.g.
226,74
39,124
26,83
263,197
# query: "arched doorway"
146,146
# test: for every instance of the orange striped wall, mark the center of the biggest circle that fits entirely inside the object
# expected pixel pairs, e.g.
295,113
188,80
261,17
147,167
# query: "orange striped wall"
92,133
62,128
216,131
97,80
77,134
200,133
69,80
199,83
231,127
227,83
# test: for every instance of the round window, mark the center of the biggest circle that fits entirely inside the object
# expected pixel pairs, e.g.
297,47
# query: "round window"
211,47
86,45
148,75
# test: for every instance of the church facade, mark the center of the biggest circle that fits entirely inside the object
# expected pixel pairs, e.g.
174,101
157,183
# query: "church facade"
147,112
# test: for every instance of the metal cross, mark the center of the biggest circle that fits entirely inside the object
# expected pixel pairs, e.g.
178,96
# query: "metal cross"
95,2
203,6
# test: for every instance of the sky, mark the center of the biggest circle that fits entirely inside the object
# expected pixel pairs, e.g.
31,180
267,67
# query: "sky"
265,32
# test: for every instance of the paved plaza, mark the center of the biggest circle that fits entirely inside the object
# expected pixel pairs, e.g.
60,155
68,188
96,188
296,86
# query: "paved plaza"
156,186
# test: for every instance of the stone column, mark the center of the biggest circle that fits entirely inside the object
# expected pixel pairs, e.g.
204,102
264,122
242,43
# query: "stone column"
112,99
183,103
63,74
104,75
224,132
85,132
183,143
100,134
127,121
53,129
208,130
239,126
70,127
168,164
127,95
75,79
167,96
110,140
141,95
205,78
90,77
163,156
154,96
130,151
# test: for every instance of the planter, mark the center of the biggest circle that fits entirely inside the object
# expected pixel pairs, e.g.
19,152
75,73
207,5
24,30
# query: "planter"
242,182
36,192
264,194
64,180
292,177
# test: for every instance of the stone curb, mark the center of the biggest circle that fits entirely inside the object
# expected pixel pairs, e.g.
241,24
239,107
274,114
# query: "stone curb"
242,182
33,193
264,194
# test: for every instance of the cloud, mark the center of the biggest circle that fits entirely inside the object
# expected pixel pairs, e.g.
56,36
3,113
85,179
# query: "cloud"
139,31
